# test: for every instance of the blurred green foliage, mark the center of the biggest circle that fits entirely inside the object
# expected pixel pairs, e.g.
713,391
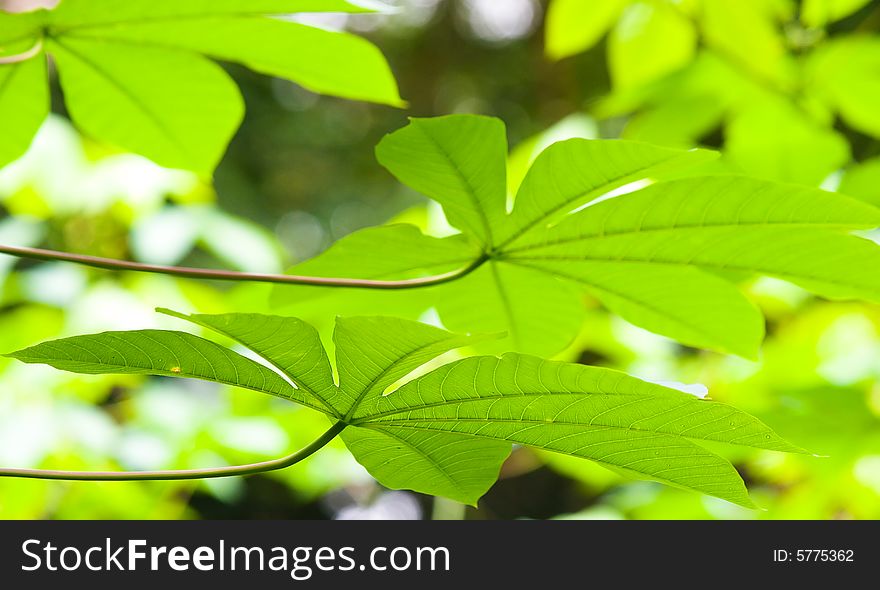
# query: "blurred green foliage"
787,90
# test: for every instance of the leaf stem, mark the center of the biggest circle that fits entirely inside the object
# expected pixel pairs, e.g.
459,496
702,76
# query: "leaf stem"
228,275
183,474
24,56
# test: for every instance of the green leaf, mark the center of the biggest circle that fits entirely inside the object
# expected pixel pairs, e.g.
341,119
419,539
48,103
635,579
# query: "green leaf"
397,251
845,73
133,74
650,41
573,26
373,353
289,344
862,181
20,31
774,140
662,255
693,307
447,429
594,413
107,13
24,105
458,467
157,352
570,174
390,252
524,154
460,162
724,223
688,105
178,109
539,313
322,61
24,91
543,316
818,13
746,33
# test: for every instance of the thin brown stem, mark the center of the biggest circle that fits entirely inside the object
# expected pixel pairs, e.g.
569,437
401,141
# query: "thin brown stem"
183,474
227,275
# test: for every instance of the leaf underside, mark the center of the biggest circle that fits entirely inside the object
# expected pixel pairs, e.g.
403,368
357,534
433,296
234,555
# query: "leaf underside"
663,253
445,429
137,75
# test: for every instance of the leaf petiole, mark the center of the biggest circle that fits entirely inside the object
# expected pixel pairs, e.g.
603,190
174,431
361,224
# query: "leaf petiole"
183,474
229,275
24,56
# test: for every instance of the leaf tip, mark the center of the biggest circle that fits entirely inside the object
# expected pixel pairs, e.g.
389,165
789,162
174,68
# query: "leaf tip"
19,355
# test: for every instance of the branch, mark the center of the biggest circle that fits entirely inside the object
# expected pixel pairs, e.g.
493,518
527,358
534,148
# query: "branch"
184,474
20,57
227,275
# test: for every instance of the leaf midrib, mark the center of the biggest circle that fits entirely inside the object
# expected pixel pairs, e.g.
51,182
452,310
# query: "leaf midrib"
526,394
426,457
133,99
688,227
505,302
470,190
372,384
416,422
608,186
716,266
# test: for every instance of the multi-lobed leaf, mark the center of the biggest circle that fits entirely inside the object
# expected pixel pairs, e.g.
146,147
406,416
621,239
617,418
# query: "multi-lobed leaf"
136,74
662,255
719,224
594,413
445,430
373,353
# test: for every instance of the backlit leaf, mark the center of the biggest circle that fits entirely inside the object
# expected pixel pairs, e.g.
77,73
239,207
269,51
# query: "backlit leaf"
459,161
447,429
134,75
24,105
589,412
178,109
573,26
650,41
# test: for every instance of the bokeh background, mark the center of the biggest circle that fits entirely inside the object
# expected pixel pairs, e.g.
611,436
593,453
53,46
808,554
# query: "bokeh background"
787,90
